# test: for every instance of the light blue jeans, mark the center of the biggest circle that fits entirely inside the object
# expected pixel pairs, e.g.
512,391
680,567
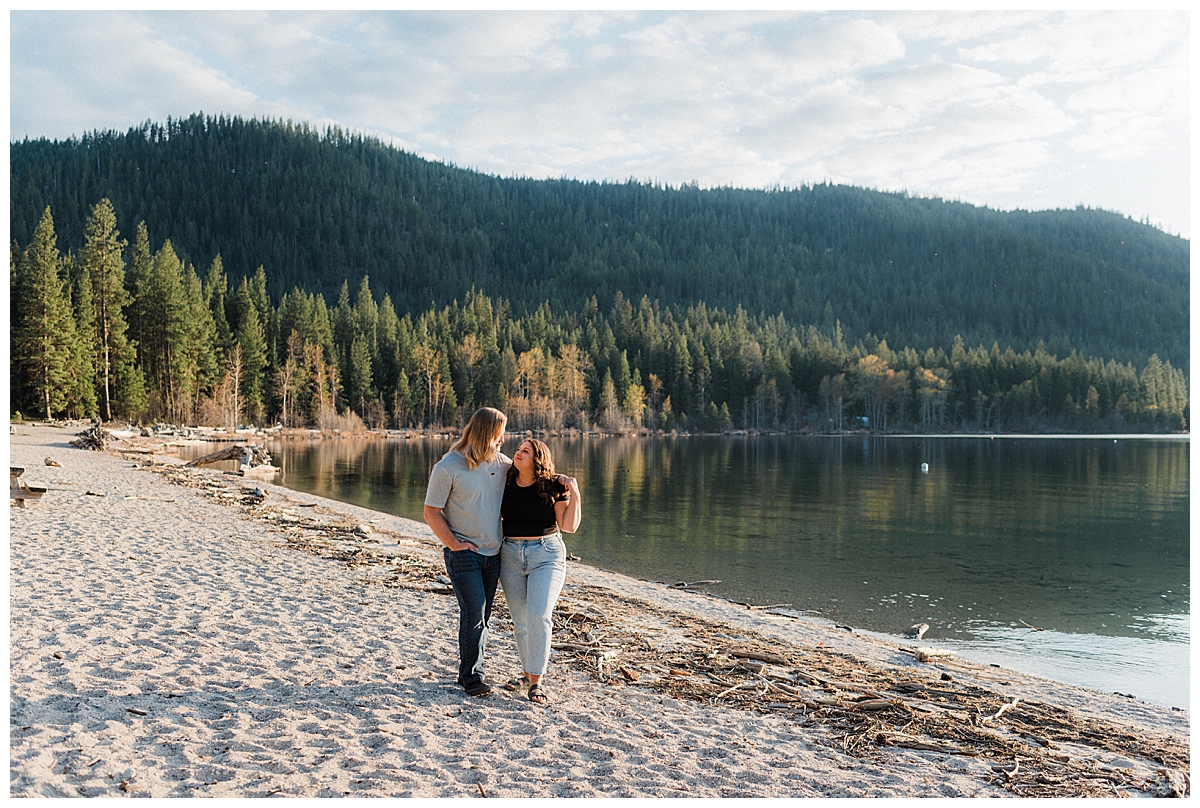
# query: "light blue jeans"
532,574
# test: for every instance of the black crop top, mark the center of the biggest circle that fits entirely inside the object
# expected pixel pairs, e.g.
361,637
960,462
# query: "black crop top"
526,514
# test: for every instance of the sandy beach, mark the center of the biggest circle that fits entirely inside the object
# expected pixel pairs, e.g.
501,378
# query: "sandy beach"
185,632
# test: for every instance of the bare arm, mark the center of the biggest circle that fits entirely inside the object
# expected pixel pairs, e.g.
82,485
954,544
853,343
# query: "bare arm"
569,511
441,528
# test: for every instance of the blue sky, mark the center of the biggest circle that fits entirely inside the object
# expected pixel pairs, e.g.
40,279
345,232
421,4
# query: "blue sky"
1023,109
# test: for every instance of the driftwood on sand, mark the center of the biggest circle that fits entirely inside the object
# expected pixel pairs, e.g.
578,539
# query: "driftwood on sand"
97,438
258,455
861,709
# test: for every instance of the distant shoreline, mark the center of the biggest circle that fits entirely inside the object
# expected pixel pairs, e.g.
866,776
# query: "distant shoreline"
217,435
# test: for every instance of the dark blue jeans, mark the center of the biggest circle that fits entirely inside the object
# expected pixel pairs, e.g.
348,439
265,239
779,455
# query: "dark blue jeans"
474,577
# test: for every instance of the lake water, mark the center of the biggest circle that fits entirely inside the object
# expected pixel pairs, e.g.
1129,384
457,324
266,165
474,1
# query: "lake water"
1085,538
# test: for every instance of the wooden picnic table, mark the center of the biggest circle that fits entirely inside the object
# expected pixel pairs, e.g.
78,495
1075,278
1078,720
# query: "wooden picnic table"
19,491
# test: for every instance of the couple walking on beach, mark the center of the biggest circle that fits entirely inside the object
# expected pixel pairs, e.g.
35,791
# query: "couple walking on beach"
501,521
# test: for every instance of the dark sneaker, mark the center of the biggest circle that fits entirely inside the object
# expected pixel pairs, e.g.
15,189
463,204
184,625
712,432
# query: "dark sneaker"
477,689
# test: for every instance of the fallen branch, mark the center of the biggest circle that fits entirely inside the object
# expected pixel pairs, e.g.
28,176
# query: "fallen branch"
872,704
925,654
912,743
572,646
685,585
774,659
238,452
784,689
999,712
729,690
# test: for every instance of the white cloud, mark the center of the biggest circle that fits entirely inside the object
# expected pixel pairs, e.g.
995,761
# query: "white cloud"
983,106
1073,41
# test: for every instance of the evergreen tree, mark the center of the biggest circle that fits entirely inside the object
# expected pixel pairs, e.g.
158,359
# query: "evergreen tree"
386,370
252,339
608,412
216,290
119,383
290,378
137,281
266,314
44,329
81,392
161,302
342,322
200,339
358,380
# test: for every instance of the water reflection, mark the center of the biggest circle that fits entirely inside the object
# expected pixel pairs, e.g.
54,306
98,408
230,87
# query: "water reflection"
1086,539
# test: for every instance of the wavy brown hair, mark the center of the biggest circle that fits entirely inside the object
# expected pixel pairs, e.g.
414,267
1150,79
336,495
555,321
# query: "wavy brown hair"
544,475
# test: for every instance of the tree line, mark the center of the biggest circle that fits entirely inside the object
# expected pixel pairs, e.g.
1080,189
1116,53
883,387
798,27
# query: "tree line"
320,208
119,330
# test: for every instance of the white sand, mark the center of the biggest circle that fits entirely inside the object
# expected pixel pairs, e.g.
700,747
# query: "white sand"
257,669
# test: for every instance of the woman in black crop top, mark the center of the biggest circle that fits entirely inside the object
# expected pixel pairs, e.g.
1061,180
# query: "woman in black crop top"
538,505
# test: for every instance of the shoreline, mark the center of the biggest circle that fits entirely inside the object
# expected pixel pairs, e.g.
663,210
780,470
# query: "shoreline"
221,435
178,633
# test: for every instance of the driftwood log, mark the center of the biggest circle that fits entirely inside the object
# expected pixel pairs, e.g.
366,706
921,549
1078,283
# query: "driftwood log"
97,439
258,454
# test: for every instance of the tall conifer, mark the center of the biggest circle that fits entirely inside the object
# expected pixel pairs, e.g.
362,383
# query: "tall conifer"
44,331
81,390
117,377
216,288
137,279
164,332
250,335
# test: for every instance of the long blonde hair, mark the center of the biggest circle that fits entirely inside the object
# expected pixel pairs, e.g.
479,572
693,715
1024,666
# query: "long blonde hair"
478,440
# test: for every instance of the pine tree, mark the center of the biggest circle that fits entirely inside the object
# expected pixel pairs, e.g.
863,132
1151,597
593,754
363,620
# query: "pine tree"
266,315
216,289
160,301
137,281
290,377
358,380
117,376
200,339
385,369
253,340
608,412
81,391
342,320
44,329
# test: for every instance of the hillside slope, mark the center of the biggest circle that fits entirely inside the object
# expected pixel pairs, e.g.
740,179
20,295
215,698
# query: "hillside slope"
315,209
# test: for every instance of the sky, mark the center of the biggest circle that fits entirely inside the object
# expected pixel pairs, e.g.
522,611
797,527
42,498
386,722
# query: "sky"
1022,109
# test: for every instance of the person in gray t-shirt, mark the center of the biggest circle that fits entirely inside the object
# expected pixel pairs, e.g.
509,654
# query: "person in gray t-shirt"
462,506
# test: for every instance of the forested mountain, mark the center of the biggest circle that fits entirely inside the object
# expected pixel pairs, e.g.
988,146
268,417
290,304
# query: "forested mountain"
318,209
222,271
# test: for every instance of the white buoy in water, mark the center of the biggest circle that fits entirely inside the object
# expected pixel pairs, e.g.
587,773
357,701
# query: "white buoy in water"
924,468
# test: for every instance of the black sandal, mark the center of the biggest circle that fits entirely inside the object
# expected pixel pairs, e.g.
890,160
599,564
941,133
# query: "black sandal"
518,683
536,695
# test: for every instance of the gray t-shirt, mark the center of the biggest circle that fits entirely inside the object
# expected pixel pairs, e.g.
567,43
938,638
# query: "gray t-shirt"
470,499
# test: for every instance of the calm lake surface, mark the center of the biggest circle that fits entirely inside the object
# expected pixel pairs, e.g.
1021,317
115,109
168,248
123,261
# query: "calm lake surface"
1085,538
